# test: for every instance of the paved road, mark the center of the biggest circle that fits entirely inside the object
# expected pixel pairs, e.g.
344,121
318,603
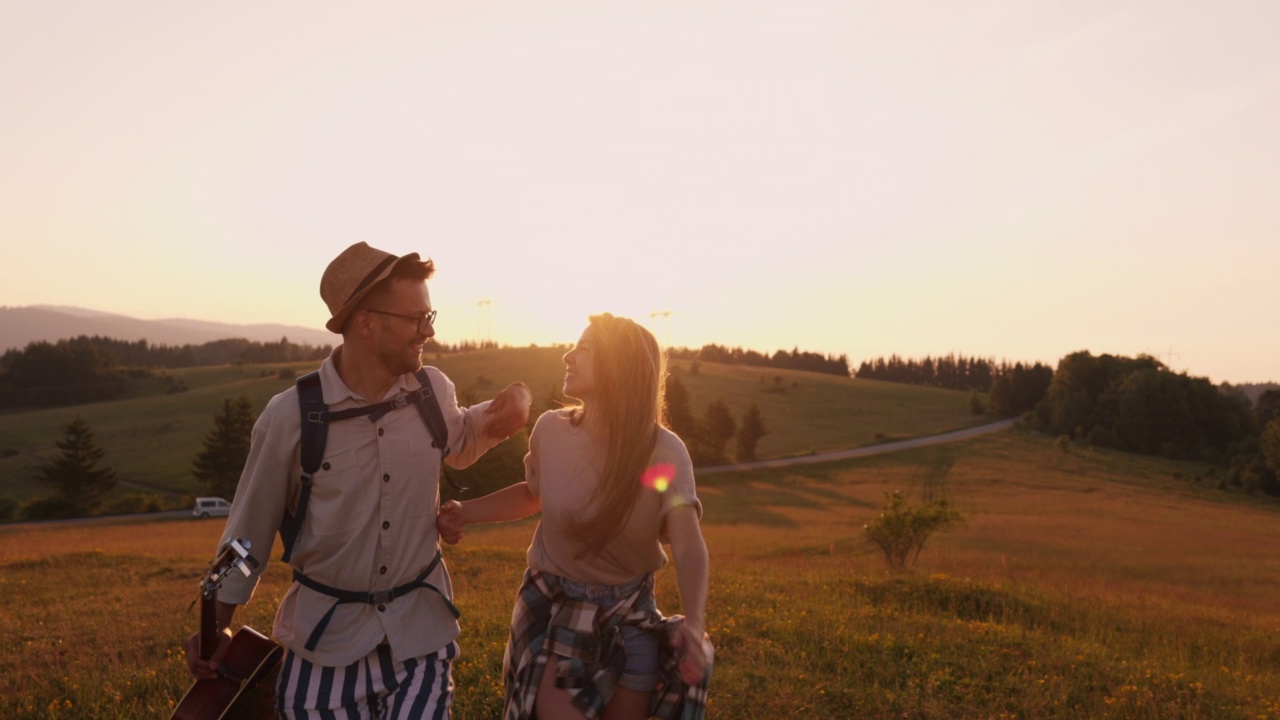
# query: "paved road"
166,515
863,451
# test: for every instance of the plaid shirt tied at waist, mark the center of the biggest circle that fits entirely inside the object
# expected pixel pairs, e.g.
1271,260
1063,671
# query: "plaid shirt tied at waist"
588,640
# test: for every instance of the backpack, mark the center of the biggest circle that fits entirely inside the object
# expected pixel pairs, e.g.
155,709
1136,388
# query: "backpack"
316,417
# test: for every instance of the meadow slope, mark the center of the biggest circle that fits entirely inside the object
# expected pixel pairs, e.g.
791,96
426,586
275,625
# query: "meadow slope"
152,436
1085,584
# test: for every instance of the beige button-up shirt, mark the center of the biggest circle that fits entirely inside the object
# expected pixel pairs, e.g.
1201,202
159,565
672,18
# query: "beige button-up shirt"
370,524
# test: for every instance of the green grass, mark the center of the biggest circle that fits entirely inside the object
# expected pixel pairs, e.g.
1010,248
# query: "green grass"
810,412
152,439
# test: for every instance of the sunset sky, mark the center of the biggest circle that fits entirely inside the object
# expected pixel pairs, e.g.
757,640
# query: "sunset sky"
1015,180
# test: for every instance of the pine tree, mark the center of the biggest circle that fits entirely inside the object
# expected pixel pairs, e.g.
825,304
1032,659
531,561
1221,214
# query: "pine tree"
679,415
226,447
749,434
1271,445
719,426
79,485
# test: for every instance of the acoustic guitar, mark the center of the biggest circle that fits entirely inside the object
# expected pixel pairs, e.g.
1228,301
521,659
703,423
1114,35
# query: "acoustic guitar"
243,688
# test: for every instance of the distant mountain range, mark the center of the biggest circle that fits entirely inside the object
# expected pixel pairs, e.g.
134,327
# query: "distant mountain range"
21,326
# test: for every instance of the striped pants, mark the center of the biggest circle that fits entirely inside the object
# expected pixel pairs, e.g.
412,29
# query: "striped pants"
374,687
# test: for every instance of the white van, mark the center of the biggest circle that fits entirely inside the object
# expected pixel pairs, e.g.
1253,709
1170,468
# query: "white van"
211,507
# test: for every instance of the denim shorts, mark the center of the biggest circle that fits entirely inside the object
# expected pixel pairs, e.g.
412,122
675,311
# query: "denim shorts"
641,671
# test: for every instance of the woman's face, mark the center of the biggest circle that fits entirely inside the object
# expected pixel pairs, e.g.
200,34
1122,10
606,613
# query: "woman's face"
579,370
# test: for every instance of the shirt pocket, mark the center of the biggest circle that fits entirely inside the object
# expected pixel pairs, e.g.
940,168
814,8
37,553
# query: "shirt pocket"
342,495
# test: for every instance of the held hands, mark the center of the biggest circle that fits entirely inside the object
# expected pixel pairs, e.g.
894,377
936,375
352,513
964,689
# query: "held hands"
206,669
450,521
688,643
508,412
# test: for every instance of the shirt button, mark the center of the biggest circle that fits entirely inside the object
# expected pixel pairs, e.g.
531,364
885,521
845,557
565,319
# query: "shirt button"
382,570
386,478
381,432
325,466
382,608
386,524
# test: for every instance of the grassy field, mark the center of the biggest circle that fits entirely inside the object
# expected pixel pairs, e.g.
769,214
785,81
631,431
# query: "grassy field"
152,440
1085,584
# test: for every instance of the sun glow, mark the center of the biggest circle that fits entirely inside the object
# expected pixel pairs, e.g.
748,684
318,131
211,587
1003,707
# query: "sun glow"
658,477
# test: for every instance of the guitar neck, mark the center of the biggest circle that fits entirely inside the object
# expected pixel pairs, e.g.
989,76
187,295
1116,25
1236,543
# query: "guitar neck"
208,624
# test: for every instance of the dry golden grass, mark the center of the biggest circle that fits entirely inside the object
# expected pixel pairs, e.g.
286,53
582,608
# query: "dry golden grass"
1085,585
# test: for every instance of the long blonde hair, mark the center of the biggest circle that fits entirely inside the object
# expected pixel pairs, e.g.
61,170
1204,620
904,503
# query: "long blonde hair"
629,374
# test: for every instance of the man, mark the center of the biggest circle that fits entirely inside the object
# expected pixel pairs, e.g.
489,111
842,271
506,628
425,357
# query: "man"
369,525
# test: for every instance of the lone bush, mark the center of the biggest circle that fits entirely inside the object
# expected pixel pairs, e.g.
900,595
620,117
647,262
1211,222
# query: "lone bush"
901,530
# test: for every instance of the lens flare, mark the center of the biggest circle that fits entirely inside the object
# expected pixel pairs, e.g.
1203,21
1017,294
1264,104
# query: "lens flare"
659,476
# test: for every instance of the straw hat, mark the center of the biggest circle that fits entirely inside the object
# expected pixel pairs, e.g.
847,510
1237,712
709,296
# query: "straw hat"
351,276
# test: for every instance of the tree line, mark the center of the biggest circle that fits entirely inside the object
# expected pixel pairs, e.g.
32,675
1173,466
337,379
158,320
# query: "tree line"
92,369
1139,405
1131,404
1014,388
953,372
795,359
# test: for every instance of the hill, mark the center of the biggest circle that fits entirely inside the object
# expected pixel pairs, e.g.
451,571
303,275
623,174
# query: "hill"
152,437
20,326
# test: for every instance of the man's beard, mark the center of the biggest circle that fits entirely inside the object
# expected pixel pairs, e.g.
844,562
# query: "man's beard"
401,360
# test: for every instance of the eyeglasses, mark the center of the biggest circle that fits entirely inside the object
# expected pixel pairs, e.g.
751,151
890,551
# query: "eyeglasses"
425,321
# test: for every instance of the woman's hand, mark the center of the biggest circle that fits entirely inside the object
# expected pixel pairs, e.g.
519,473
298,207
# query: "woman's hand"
692,663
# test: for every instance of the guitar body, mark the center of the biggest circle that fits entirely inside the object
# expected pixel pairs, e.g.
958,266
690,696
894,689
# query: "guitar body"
244,688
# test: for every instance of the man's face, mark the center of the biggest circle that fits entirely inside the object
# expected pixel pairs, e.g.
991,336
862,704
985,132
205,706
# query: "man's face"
398,345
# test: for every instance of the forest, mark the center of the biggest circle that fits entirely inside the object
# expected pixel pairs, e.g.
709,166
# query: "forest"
93,369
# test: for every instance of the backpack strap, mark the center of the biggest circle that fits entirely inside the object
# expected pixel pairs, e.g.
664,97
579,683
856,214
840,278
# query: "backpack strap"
380,597
315,432
429,408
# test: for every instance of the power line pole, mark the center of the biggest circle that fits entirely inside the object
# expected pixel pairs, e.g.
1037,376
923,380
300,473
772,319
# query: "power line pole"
484,310
666,325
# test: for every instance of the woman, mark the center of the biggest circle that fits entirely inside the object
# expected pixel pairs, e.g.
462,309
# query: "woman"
612,484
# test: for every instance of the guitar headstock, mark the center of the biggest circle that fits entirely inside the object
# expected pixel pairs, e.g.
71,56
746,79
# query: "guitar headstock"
234,555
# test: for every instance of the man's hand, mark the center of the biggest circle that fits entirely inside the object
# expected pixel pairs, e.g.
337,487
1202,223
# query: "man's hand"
449,522
508,412
206,669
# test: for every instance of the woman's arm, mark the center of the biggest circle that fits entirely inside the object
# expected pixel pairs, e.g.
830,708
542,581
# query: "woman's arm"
510,503
692,575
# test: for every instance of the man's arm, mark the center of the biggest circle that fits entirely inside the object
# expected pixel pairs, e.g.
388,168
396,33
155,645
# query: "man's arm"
507,412
474,430
255,515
